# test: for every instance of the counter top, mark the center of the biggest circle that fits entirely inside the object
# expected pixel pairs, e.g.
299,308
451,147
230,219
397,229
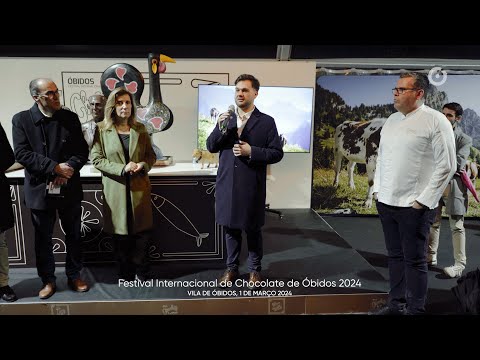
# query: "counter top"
176,169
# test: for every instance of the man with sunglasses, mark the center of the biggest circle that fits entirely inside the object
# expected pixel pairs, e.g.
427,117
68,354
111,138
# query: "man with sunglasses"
49,143
455,199
416,160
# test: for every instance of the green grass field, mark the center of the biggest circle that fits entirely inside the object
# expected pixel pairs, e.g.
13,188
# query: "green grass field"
204,128
326,198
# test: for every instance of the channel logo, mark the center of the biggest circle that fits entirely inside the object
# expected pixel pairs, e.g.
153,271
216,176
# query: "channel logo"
437,76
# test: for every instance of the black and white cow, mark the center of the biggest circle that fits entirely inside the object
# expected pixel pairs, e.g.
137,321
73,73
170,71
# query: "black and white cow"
358,142
214,114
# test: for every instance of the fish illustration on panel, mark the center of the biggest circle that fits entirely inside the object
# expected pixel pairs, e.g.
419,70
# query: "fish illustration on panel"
177,218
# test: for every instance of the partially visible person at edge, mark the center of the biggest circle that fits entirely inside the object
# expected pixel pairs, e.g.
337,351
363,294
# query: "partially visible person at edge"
416,160
122,151
49,143
6,220
247,140
455,199
96,105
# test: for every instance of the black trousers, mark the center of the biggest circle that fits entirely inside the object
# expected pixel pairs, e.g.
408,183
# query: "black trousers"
131,252
43,223
406,233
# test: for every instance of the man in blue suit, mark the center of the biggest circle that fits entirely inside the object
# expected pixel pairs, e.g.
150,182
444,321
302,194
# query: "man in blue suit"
247,140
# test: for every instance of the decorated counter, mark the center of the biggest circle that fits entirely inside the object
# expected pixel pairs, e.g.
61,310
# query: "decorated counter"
183,201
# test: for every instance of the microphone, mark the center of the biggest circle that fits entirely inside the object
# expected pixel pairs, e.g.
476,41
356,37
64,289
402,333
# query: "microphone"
226,121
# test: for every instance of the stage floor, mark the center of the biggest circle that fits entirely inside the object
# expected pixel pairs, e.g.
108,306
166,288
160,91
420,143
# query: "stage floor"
366,236
311,269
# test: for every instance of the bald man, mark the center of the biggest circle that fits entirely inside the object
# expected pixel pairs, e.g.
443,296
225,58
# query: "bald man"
96,105
48,142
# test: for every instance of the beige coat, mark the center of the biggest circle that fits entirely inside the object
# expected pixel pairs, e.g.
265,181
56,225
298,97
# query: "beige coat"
108,157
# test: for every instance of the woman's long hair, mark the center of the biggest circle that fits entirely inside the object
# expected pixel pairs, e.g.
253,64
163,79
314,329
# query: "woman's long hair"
110,114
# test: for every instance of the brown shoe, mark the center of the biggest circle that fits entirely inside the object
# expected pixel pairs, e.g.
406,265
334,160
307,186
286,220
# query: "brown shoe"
228,275
47,290
254,280
78,285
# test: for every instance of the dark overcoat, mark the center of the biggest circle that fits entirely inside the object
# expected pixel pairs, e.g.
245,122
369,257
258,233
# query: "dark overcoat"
241,181
40,143
6,160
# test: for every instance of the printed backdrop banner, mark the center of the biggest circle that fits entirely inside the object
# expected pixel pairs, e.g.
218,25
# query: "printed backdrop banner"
350,111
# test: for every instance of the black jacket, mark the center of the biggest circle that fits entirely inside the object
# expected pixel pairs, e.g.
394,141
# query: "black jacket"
40,144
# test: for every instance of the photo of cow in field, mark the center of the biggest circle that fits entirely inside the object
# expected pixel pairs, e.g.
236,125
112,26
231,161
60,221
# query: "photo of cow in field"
214,114
358,143
350,112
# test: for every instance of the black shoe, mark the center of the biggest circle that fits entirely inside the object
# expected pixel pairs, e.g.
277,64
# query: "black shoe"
7,294
127,277
145,276
387,311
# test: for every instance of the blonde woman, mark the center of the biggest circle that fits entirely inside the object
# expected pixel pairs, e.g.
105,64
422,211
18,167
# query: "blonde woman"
123,152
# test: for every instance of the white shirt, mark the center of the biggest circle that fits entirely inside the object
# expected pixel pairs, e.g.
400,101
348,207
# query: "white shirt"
88,130
416,158
242,118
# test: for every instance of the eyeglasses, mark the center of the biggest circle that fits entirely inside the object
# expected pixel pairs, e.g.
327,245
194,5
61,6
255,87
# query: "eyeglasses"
51,94
400,91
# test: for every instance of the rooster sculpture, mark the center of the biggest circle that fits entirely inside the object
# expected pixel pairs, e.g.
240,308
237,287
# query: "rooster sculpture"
156,116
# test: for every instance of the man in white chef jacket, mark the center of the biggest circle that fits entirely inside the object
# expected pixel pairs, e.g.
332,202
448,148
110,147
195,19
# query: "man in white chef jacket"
416,160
